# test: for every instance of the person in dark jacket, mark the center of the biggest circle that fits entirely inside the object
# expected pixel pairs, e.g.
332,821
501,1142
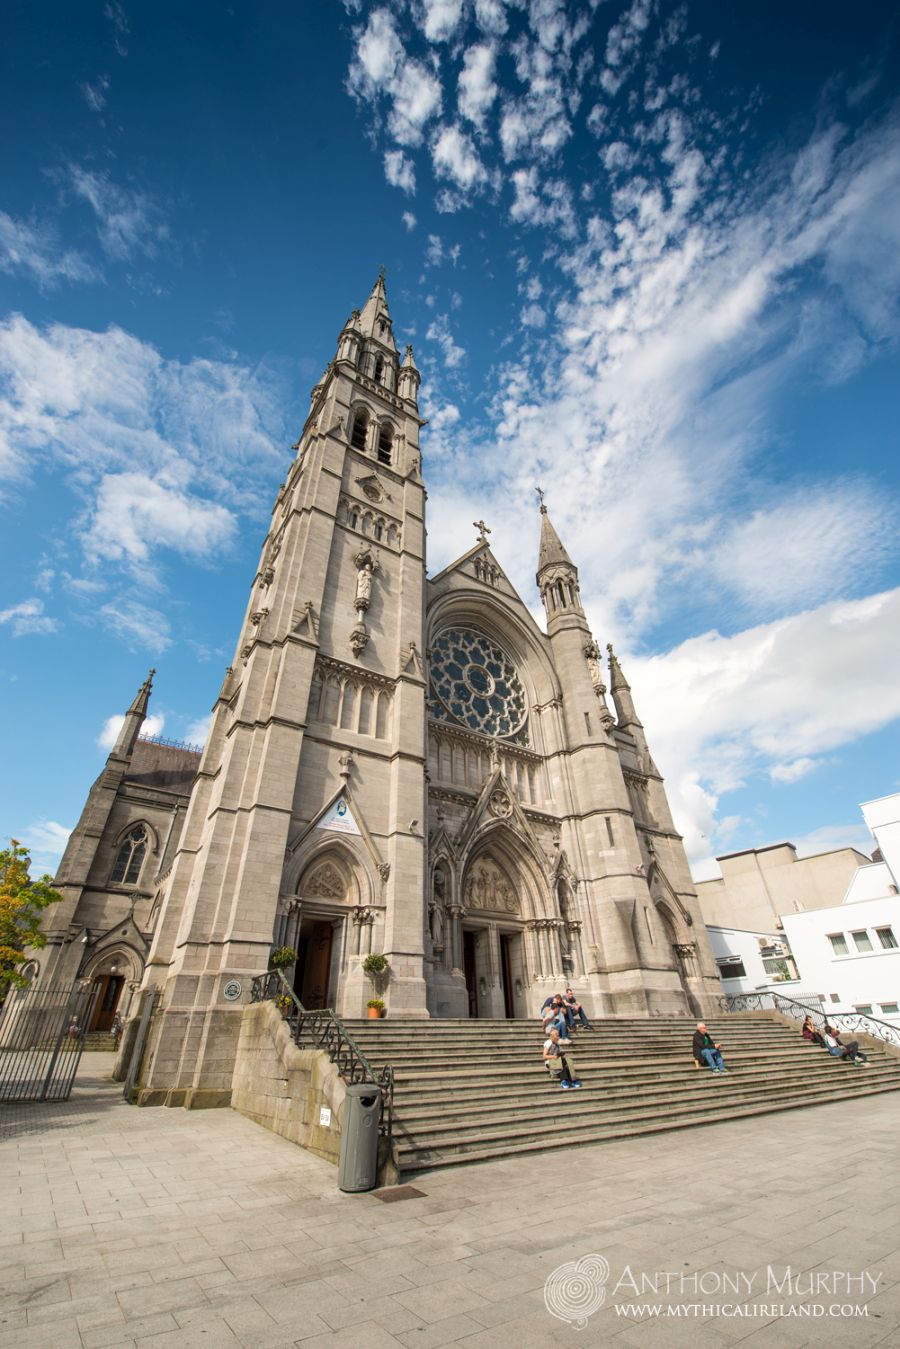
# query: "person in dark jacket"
706,1050
555,1007
809,1032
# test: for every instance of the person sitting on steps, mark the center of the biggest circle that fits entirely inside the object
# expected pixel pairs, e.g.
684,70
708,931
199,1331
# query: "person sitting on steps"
851,1053
810,1033
706,1050
560,1063
553,1011
574,1008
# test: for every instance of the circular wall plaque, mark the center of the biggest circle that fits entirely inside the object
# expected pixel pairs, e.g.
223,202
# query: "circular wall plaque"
233,990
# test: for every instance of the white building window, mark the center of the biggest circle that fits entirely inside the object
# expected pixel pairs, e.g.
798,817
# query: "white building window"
862,940
890,1009
864,1007
732,967
838,943
887,938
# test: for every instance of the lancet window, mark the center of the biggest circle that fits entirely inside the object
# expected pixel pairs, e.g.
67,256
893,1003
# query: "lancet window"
360,427
130,857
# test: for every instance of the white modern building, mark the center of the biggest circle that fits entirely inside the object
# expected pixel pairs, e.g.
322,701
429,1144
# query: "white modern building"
749,961
851,952
846,954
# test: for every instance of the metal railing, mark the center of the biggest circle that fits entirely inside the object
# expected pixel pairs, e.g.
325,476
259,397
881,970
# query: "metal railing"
843,1021
321,1029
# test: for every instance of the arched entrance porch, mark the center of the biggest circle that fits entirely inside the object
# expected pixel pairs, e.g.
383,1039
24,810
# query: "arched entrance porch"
115,975
508,930
328,922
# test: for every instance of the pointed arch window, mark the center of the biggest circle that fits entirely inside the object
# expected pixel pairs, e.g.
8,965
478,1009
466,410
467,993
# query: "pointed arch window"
360,427
130,857
379,369
385,443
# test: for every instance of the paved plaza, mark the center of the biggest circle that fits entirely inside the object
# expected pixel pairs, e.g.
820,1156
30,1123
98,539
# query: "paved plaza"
169,1229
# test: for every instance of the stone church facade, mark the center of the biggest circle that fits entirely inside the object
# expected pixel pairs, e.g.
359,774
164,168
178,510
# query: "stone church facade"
396,765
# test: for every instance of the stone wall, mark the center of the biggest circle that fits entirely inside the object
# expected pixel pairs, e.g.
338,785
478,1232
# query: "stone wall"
282,1087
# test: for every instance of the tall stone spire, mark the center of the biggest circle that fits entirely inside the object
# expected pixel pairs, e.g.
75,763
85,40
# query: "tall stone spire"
552,551
134,720
557,575
375,319
621,692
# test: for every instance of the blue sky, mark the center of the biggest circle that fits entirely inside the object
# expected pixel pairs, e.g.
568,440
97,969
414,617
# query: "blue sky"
648,256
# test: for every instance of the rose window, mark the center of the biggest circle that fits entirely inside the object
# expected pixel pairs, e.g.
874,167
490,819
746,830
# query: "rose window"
473,682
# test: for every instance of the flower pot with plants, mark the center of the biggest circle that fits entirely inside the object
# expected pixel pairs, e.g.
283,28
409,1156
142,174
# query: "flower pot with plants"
376,1008
282,958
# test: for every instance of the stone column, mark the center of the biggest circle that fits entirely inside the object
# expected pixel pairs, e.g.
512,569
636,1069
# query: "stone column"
533,929
456,914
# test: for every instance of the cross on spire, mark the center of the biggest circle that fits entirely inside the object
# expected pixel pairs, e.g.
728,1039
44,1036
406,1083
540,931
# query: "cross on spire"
540,492
483,530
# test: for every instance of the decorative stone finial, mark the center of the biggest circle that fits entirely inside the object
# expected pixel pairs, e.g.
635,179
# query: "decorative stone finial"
483,530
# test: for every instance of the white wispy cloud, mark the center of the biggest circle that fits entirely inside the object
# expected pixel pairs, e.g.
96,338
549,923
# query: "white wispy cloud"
95,94
477,87
400,172
409,221
197,731
135,515
454,157
89,407
35,250
719,709
381,68
439,18
438,331
46,841
137,625
27,619
130,222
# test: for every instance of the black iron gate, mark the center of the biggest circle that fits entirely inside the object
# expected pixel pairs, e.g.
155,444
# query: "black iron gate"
42,1030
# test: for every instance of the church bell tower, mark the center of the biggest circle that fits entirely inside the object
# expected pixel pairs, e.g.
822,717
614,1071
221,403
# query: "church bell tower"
305,825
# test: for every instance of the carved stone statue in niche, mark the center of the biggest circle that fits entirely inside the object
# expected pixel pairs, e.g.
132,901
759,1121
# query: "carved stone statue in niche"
366,566
437,910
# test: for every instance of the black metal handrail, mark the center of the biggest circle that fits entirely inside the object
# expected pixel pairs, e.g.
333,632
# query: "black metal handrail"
843,1021
327,1032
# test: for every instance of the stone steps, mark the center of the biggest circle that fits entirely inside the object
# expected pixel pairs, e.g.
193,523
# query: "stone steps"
466,1091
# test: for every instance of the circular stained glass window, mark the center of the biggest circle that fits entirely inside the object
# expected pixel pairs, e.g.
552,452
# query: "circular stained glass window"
475,683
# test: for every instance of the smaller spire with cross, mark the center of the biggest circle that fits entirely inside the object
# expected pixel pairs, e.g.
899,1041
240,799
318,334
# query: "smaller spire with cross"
541,494
483,530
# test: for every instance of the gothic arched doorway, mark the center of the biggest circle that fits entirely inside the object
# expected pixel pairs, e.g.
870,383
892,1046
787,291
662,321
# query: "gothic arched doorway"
323,893
493,941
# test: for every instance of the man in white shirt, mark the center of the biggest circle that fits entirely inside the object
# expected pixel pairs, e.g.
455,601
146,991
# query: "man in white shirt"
559,1062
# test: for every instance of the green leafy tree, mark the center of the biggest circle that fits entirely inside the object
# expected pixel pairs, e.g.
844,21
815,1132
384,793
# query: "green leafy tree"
22,903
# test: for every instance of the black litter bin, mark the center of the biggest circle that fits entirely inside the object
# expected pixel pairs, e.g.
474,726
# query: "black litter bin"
358,1166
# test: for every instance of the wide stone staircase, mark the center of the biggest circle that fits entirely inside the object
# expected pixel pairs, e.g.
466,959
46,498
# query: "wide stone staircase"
470,1090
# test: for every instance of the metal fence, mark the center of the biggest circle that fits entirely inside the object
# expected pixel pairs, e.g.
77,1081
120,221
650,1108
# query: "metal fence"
42,1030
812,1005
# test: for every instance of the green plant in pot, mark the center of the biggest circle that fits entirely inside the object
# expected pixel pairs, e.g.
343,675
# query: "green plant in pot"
282,958
376,1007
377,968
